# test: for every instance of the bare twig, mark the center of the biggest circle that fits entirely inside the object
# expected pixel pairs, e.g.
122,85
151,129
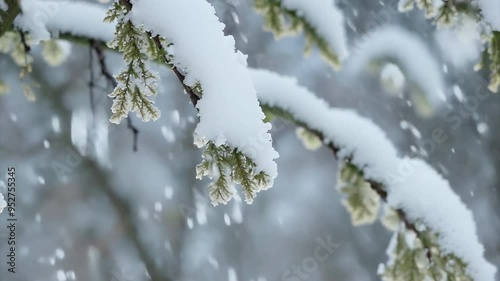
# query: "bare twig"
92,81
135,132
27,49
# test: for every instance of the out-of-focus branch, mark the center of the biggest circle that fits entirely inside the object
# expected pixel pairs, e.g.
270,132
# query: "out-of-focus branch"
7,16
92,80
121,205
127,218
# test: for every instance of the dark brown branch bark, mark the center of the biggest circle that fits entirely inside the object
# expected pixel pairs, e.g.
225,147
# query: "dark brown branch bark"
8,16
190,91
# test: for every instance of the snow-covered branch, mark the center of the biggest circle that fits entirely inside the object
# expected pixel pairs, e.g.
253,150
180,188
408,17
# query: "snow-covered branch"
445,12
320,20
409,53
411,184
230,116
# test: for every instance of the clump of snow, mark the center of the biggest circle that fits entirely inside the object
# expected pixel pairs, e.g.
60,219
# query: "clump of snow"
41,18
229,111
30,20
409,53
392,78
326,18
55,52
490,9
411,184
56,124
231,274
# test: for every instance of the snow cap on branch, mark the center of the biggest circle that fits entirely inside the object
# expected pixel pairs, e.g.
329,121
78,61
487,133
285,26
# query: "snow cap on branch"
228,109
41,18
326,18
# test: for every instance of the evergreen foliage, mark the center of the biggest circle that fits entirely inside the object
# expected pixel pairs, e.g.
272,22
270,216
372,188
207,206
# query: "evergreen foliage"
284,22
227,166
361,200
491,57
137,82
448,14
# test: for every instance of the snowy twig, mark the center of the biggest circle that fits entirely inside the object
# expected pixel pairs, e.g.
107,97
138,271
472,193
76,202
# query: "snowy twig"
92,82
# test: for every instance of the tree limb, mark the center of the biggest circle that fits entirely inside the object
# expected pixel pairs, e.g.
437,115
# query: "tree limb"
376,186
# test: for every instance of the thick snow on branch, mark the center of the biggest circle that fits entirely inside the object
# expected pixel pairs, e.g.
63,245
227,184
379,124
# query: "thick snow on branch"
229,111
411,184
490,9
326,18
41,18
406,50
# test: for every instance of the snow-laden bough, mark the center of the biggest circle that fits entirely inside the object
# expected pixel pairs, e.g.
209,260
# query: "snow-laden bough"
411,184
408,52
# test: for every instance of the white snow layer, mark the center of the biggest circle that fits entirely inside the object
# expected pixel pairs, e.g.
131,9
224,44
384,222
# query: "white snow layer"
490,9
327,19
408,51
229,111
460,45
412,184
41,18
